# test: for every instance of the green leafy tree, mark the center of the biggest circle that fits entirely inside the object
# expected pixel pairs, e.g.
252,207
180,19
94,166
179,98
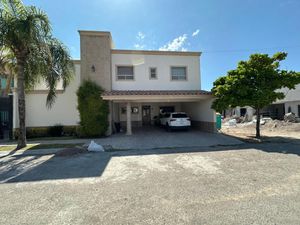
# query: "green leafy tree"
254,83
92,109
25,31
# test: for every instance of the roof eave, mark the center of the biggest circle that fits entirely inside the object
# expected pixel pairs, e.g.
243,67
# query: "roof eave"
154,52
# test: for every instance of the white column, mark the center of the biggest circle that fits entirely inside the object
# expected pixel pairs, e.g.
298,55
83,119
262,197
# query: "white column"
128,113
110,124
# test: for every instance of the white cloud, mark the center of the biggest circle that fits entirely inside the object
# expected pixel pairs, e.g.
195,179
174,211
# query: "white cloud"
140,36
139,44
175,45
195,33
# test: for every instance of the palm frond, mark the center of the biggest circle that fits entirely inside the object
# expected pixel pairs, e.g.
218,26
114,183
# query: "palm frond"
7,61
39,19
60,68
14,7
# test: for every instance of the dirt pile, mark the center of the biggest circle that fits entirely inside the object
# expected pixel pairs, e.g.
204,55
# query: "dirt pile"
281,125
269,128
71,151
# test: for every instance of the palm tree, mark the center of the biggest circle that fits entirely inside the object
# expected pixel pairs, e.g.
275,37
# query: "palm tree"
26,32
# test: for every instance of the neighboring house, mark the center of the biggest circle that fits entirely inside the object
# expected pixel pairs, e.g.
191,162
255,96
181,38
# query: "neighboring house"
138,85
277,110
291,102
245,111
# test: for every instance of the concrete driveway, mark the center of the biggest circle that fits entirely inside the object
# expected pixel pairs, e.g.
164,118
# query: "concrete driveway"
248,184
155,137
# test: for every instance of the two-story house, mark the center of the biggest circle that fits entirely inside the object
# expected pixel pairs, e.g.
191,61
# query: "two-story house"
138,85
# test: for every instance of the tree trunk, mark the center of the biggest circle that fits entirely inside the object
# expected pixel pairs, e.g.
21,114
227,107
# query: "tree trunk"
257,123
21,102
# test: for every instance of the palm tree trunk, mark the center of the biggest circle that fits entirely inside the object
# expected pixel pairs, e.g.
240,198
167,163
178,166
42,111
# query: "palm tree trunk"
21,103
257,123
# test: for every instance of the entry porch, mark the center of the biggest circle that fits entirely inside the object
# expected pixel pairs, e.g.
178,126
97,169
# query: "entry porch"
141,108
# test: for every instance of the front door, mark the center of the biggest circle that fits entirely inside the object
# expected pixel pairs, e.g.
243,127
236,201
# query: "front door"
146,115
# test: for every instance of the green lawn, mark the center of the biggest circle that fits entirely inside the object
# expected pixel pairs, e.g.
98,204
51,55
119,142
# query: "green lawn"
38,146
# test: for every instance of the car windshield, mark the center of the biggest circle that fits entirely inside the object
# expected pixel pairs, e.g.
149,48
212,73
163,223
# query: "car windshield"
179,115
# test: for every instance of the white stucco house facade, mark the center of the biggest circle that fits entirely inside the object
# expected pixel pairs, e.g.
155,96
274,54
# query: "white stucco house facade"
291,102
138,85
277,110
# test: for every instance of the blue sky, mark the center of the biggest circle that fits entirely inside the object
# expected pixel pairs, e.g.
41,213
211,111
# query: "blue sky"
225,31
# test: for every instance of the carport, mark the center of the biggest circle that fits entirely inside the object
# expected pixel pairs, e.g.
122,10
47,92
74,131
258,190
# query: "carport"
138,108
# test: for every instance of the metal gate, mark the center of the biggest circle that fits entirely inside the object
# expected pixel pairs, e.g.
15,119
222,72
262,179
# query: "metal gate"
6,117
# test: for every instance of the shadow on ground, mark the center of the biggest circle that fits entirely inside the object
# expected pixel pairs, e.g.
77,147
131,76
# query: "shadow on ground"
91,165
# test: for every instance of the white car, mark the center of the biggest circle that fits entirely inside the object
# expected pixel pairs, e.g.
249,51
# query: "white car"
175,120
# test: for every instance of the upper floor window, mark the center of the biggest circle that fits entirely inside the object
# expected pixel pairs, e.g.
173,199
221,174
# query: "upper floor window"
125,73
153,73
178,73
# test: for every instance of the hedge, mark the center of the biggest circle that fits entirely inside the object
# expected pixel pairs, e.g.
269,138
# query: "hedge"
52,131
93,110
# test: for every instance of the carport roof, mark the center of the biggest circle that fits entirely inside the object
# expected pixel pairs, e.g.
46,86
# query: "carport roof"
151,94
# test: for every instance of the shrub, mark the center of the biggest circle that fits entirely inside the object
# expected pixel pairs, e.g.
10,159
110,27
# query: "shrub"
56,130
36,132
53,131
93,110
70,130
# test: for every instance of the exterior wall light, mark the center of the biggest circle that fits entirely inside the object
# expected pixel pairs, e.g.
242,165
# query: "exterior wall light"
93,69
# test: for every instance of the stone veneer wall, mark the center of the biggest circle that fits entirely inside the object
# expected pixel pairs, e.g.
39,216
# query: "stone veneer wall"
95,55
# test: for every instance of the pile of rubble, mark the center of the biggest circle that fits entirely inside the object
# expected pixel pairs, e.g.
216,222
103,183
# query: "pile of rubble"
290,117
290,120
290,127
